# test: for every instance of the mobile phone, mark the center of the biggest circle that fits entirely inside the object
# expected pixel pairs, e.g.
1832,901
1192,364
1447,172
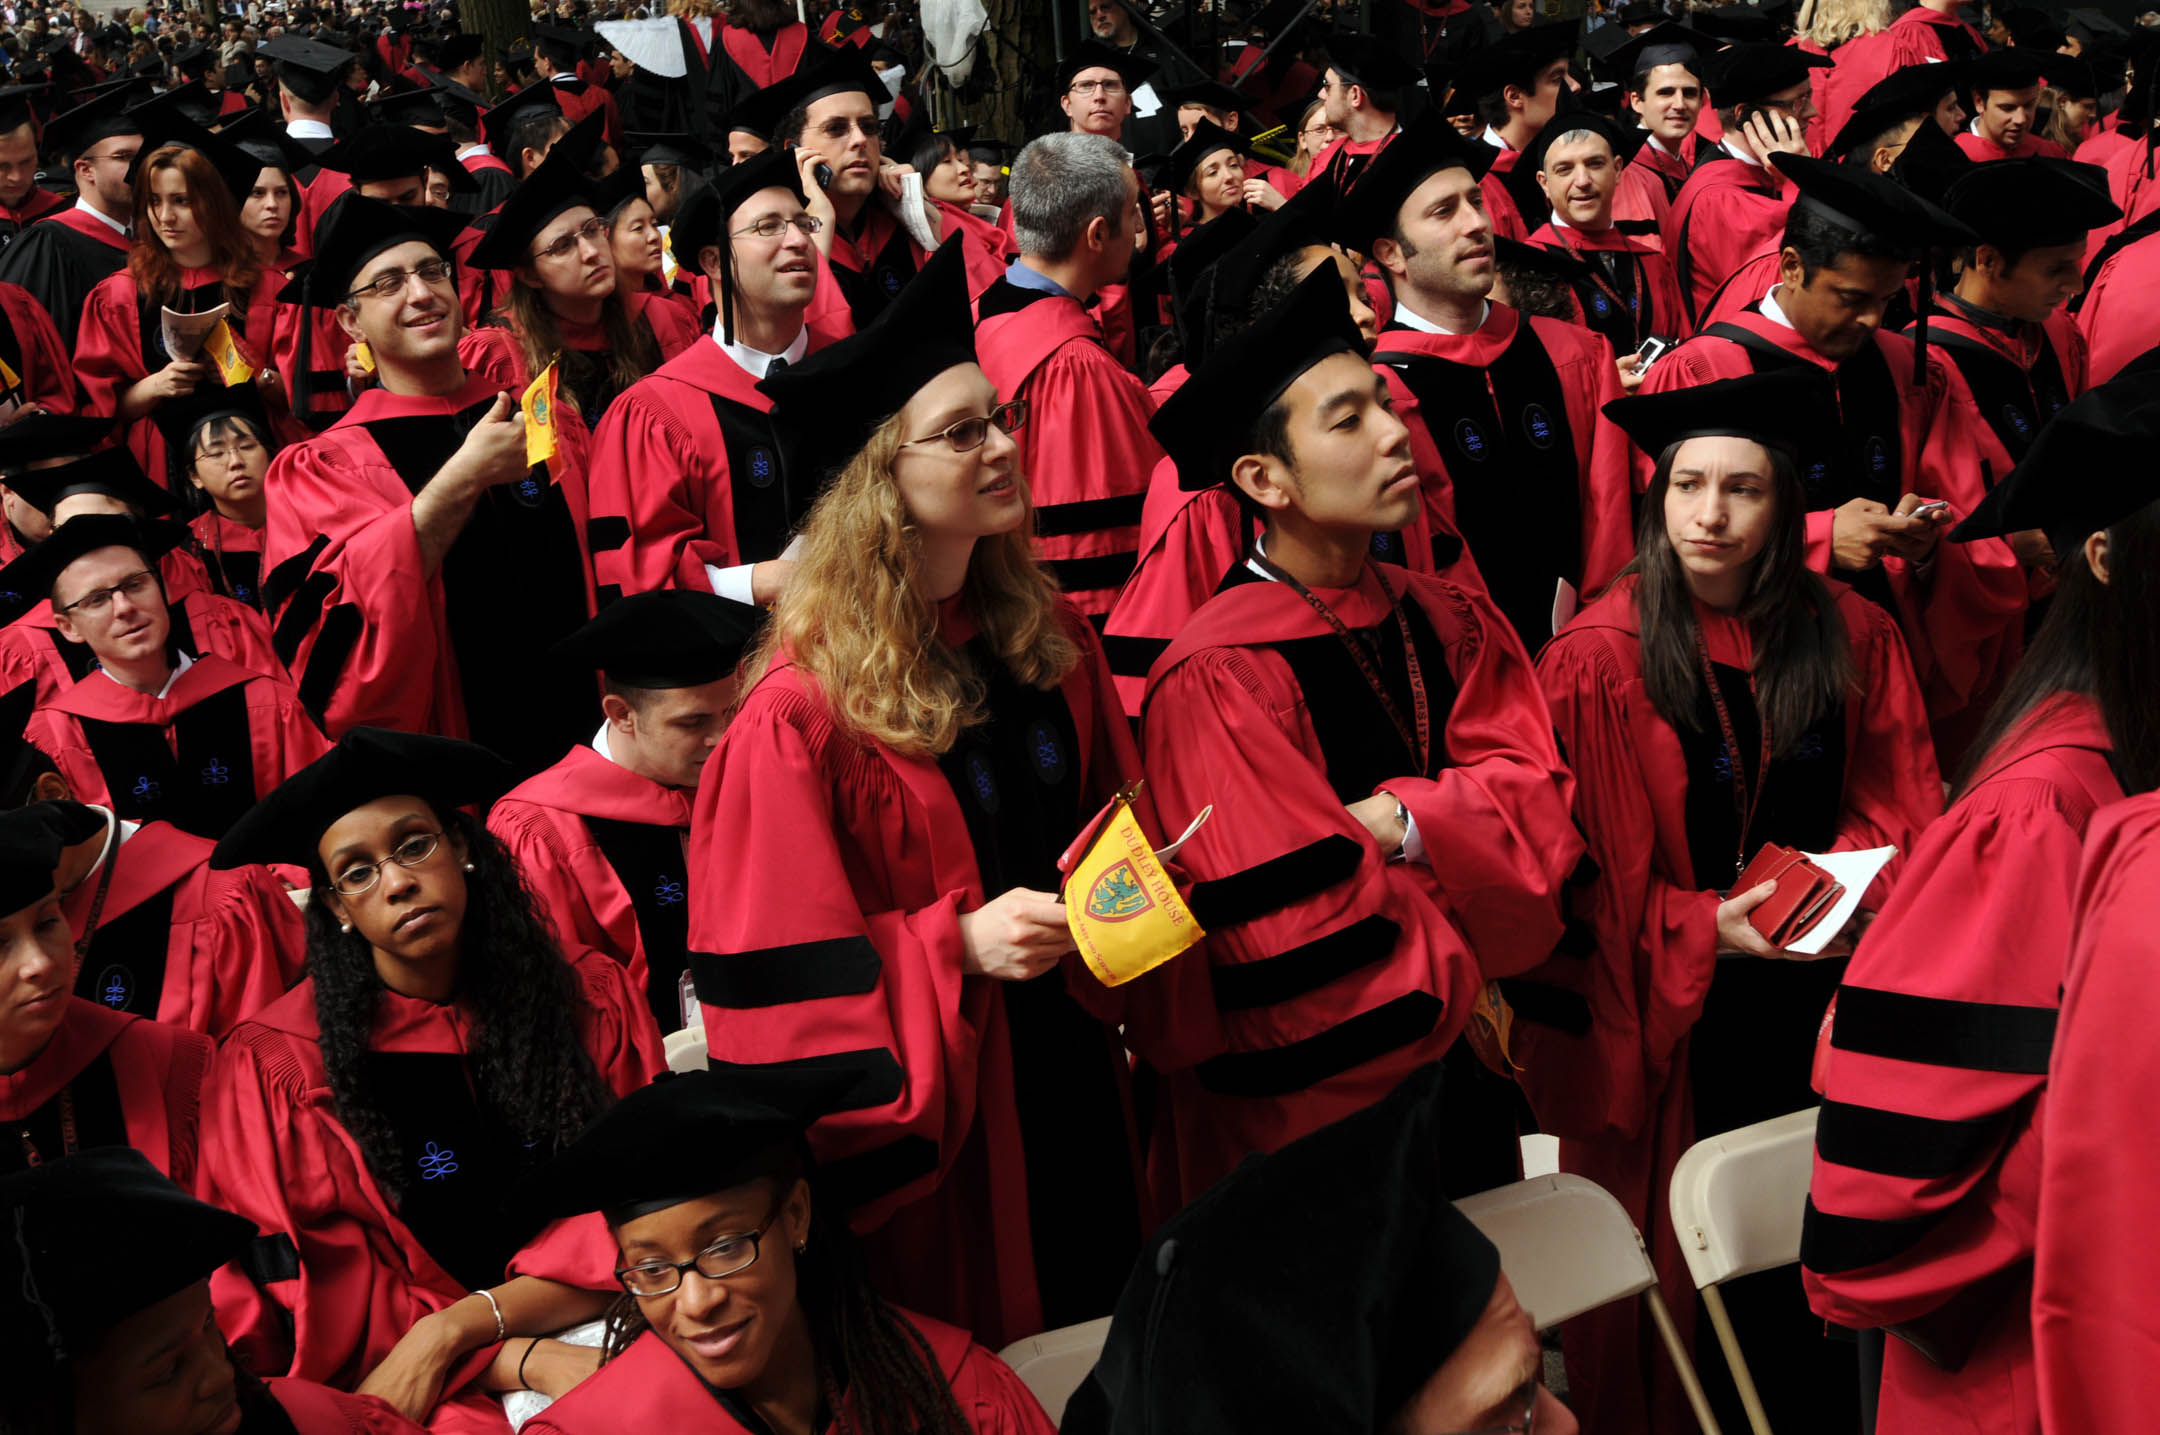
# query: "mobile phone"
822,173
1653,349
1929,507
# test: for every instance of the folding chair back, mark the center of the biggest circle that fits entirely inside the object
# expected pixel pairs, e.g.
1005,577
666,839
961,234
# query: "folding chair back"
1053,1364
686,1049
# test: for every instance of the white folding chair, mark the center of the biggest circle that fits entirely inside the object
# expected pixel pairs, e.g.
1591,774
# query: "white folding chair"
1053,1364
686,1049
1568,1247
1737,1203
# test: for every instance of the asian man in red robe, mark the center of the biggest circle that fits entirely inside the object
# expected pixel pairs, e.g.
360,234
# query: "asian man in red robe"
1390,828
423,554
690,485
155,732
600,836
1537,475
2004,86
1885,441
62,258
1725,212
1085,449
75,1075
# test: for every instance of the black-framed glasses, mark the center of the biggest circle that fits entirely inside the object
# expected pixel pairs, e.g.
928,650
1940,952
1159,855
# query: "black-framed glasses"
1527,1397
411,851
972,433
430,272
772,226
138,586
730,1255
1108,89
594,229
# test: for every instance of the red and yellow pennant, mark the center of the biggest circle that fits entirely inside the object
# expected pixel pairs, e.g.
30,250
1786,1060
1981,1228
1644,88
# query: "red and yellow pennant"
1124,912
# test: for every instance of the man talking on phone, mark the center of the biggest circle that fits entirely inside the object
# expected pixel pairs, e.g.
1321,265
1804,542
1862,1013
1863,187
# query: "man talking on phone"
1726,211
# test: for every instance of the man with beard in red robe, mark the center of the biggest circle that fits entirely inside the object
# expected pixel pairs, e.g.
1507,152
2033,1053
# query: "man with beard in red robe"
423,557
1885,441
600,835
691,486
1391,823
1085,448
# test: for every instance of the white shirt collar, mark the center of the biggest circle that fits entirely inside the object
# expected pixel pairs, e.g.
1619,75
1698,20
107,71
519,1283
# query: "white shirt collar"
755,362
1650,138
183,663
1409,318
308,130
565,75
476,147
1726,145
599,744
1772,312
1492,137
115,225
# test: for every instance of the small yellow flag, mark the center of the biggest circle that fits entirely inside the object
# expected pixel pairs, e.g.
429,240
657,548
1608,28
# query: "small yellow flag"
668,266
539,406
223,350
9,379
1125,913
364,357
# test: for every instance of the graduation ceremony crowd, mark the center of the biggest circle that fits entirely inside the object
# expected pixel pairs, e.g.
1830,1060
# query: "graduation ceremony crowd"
523,568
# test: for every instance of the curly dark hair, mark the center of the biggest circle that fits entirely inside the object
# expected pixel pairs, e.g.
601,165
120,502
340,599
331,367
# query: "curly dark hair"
529,1067
864,1346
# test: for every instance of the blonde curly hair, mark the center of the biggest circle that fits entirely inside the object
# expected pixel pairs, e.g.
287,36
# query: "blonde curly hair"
1830,23
855,618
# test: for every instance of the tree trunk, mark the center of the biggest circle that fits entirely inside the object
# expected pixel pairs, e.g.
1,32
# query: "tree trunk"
1019,56
497,23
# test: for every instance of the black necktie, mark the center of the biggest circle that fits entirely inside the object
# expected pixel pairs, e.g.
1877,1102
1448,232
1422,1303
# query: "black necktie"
777,366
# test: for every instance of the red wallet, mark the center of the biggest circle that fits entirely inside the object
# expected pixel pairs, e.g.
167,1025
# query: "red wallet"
1804,893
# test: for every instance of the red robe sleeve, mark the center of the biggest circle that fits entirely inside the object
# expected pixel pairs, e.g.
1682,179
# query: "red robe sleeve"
672,328
617,1026
247,944
492,350
44,368
318,1410
1723,225
2096,1338
1179,569
108,347
650,469
2121,311
994,1400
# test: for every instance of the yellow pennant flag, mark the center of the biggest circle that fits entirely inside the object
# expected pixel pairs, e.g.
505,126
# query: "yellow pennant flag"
539,406
668,266
1124,912
364,357
223,350
9,379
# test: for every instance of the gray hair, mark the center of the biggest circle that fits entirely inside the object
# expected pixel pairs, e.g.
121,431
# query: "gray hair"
1059,183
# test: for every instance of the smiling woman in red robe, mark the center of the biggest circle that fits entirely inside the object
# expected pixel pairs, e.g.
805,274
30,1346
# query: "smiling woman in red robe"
380,1120
1720,697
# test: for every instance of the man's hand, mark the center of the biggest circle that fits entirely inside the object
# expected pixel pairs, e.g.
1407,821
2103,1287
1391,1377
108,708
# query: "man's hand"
1631,371
1159,205
816,202
1916,540
494,452
892,178
2032,549
769,579
1860,534
1377,815
1774,131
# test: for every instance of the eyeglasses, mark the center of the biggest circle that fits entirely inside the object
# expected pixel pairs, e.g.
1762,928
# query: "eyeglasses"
725,1257
138,586
430,272
592,229
1108,89
1527,1397
218,453
971,433
772,226
410,852
865,125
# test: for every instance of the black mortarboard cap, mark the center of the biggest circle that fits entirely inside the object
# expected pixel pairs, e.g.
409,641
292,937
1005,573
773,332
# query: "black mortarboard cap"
2095,27
355,229
15,108
1428,146
618,189
1405,1277
2012,67
309,68
179,417
1640,12
455,50
164,124
260,133
671,638
1904,93
2030,28
704,215
39,566
410,105
667,147
1661,44
193,59
1095,55
1929,164
1757,406
1515,59
581,144
1751,73
1624,139
557,38
110,471
32,838
692,1134
73,131
391,151
831,402
2073,76
2089,467
1203,425
39,435
367,763
1863,203
1735,24
2032,202
760,112
496,123
72,1212
1207,138
556,184
1220,298
1185,277
1371,62
1212,93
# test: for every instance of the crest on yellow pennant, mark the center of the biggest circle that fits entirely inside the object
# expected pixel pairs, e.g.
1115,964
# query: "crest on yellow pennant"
1124,912
538,403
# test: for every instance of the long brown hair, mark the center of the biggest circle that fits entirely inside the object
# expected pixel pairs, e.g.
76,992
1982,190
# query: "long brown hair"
151,265
856,619
632,351
1803,664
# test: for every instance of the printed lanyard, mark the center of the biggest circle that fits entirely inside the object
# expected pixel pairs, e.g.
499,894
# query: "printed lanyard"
1418,743
1745,802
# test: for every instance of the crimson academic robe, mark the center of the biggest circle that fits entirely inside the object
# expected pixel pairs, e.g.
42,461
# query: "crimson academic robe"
342,1270
2103,142
1627,291
1744,287
1856,66
316,1409
231,555
1085,449
1673,169
493,349
1725,212
34,365
1502,211
180,941
37,204
1334,972
687,472
1927,1153
125,1080
744,61
375,639
120,343
1637,1056
1342,162
579,99
1516,410
2095,1266
649,1387
1921,34
198,755
870,266
1880,435
496,181
203,623
991,1124
2006,383
60,260
1980,149
2120,312
603,853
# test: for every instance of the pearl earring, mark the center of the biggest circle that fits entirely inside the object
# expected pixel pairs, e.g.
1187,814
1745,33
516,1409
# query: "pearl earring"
468,866
345,927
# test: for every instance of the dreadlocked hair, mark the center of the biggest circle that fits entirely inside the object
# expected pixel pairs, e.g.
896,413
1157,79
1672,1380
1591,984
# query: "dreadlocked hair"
864,1347
529,1067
